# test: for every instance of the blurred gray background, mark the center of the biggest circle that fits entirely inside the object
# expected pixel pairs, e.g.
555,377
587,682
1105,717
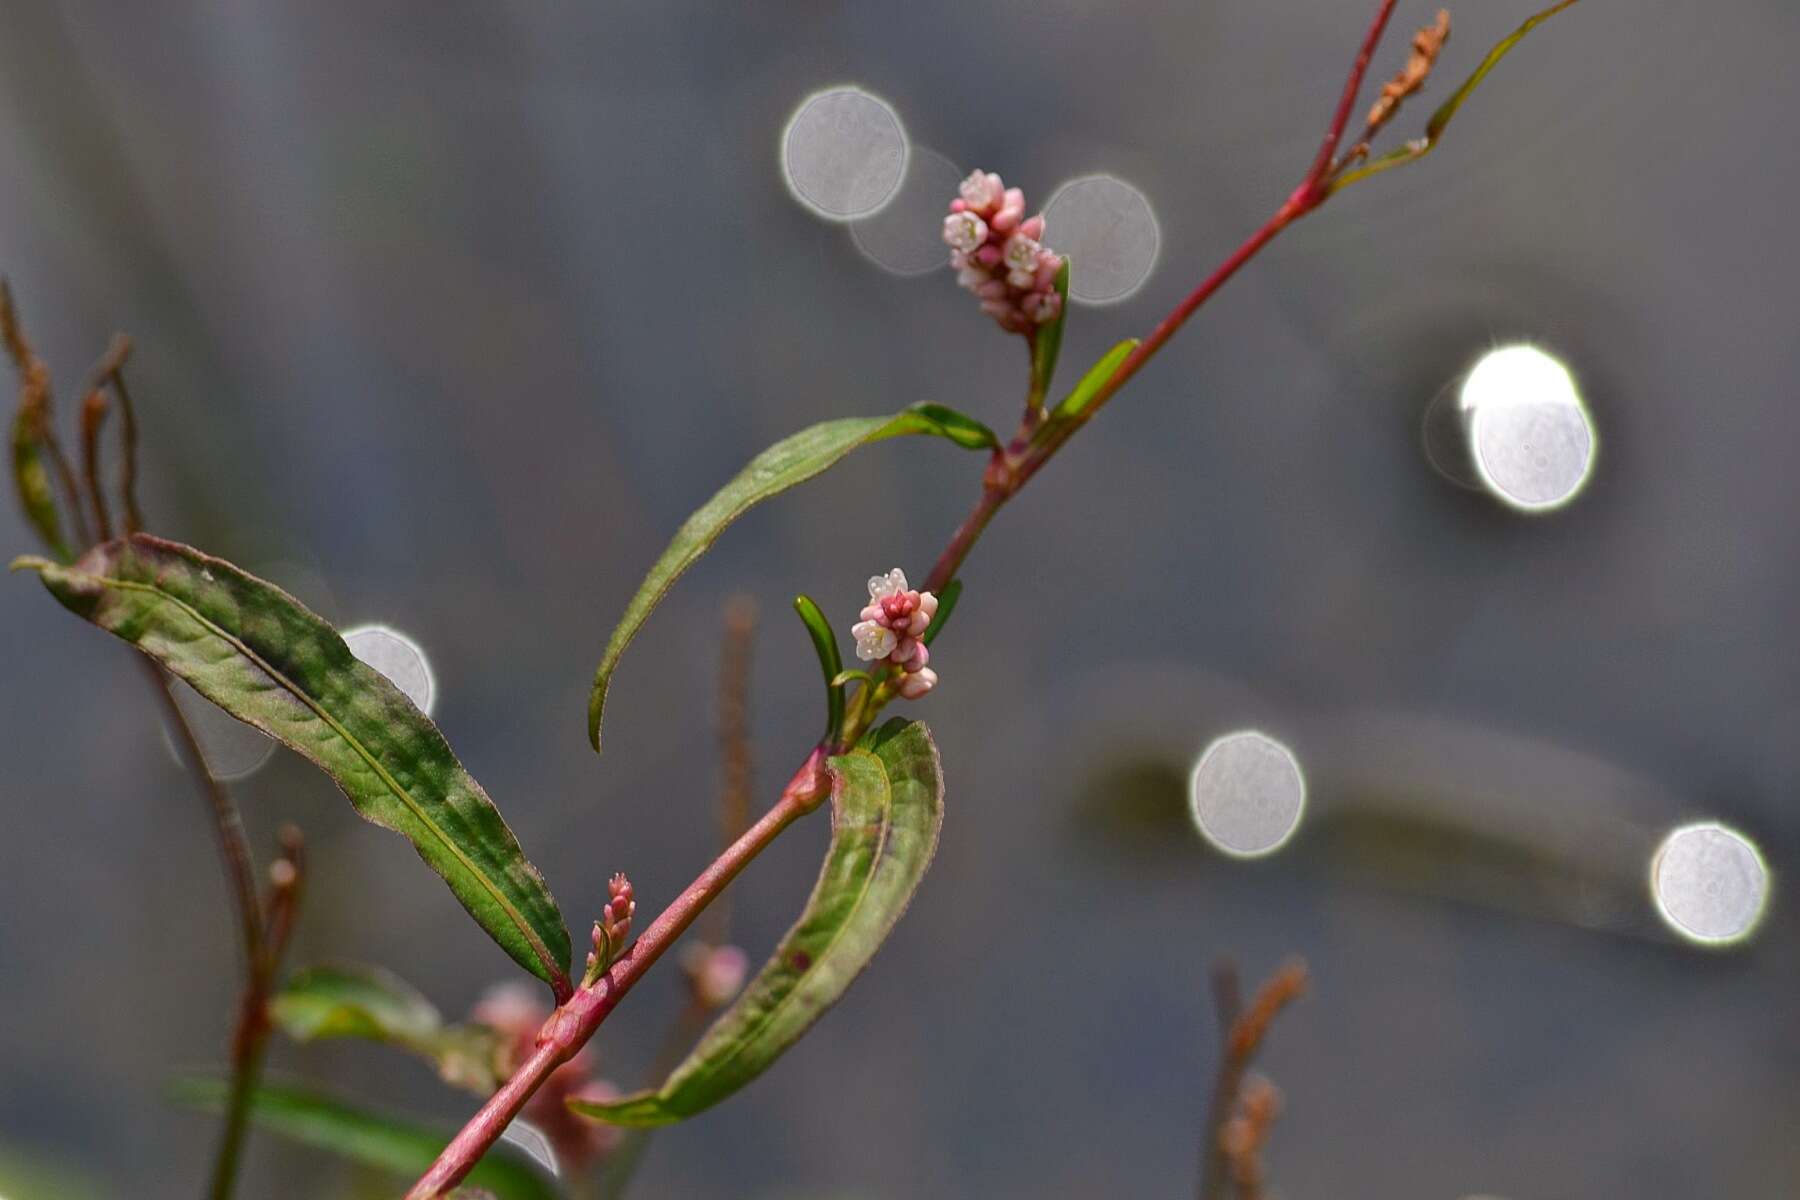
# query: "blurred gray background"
449,313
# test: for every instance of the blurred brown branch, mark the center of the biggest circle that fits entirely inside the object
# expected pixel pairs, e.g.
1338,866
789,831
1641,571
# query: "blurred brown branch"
1243,1112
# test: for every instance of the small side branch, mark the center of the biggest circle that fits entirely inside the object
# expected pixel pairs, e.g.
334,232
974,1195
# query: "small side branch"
1241,1035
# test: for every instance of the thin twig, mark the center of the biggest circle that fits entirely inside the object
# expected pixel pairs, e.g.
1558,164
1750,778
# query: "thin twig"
1239,1040
287,878
93,420
112,371
234,846
250,1037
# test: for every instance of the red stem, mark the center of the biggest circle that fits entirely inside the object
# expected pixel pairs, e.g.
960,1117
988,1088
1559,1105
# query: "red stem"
1352,85
570,1027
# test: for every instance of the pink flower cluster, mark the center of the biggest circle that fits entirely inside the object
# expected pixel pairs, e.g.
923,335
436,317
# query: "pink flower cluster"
891,628
514,1011
999,254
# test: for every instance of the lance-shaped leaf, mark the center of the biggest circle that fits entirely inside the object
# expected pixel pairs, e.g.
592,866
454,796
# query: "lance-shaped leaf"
375,1005
789,462
830,664
33,481
257,653
887,807
1077,401
374,1139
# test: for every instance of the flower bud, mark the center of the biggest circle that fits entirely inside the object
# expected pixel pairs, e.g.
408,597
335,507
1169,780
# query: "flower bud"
964,231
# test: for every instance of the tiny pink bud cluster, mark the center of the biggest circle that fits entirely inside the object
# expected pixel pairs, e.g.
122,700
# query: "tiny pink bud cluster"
999,254
892,629
613,927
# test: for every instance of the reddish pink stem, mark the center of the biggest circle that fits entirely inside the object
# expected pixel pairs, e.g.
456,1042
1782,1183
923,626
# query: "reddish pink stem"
576,1021
570,1027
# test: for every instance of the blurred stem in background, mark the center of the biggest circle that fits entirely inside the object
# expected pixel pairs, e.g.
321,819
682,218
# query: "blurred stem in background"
1242,1108
264,923
704,997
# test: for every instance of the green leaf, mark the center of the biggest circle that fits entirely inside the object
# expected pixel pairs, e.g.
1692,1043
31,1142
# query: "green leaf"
946,605
946,422
374,1005
1414,150
33,482
256,652
830,663
1046,339
787,463
1076,402
374,1139
887,807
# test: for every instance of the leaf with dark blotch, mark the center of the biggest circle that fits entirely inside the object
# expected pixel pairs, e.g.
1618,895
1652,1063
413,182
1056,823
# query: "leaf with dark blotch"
374,1139
374,1005
788,463
887,807
257,653
32,480
1075,404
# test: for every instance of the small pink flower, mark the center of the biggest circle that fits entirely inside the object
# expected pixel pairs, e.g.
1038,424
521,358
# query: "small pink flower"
964,231
981,191
892,629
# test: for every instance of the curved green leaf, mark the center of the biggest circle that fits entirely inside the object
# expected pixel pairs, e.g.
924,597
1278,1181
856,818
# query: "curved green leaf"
789,462
887,807
831,664
33,482
374,1005
373,1139
256,652
1076,402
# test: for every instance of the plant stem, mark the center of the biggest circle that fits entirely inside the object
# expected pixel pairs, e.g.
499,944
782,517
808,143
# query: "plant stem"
1011,468
570,1027
234,846
1240,1037
250,1039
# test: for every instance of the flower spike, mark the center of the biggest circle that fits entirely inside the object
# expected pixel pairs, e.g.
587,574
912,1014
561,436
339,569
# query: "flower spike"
999,255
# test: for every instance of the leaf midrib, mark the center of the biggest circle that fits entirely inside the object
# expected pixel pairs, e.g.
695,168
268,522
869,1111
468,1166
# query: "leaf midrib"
513,914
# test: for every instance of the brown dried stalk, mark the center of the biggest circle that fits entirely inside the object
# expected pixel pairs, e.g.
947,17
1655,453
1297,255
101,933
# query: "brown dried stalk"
1241,1035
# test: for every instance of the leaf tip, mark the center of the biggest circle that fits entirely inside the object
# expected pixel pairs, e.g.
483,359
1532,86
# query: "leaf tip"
30,562
596,704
